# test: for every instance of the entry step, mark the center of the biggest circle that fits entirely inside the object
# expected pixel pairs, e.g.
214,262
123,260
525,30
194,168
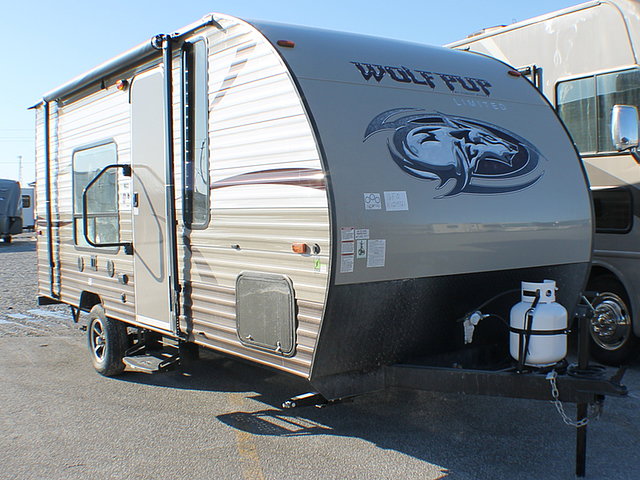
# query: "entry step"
154,362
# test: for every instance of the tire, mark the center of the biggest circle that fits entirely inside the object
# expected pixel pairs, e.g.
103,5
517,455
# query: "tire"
612,339
107,340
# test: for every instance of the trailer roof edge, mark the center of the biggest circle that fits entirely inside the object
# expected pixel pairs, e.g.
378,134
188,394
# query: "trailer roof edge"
121,62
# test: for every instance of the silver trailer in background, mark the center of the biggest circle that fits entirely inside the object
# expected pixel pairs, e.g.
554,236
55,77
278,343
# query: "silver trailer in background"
326,204
28,208
10,209
585,61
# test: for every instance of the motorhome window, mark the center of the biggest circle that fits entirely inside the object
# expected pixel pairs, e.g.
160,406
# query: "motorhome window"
26,201
577,108
102,198
619,88
196,135
613,210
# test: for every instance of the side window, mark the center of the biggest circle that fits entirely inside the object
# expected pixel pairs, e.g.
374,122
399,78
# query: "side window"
195,103
102,198
613,210
619,88
577,108
585,106
26,201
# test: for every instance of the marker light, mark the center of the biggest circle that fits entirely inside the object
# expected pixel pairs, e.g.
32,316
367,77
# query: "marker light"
286,43
300,248
122,84
514,73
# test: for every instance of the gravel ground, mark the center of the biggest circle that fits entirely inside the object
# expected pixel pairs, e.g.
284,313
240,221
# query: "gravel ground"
20,314
220,419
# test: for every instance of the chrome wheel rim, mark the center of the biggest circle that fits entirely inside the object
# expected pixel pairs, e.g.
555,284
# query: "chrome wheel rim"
611,323
98,340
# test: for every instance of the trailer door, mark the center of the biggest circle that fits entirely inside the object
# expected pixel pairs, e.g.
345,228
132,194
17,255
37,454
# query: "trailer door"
149,202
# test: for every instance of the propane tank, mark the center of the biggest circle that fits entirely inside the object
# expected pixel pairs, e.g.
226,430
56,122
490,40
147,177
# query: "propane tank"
538,313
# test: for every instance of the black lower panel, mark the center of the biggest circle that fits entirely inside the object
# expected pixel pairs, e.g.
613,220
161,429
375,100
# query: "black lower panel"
366,326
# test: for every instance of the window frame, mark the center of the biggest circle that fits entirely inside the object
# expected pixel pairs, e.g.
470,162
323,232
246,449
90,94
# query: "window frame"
189,120
76,216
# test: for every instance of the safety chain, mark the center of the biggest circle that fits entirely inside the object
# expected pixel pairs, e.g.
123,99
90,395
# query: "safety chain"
595,410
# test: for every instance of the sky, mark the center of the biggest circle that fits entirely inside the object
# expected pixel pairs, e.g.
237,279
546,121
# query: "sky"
48,42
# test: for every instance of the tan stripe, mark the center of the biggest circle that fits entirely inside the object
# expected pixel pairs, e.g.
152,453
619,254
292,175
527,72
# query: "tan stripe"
247,449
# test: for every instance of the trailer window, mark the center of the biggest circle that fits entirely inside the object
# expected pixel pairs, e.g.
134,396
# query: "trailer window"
613,210
102,199
26,201
577,108
196,134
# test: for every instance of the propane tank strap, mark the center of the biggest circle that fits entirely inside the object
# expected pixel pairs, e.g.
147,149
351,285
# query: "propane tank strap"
522,331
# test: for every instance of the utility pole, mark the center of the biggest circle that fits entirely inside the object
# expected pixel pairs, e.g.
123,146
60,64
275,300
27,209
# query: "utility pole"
20,169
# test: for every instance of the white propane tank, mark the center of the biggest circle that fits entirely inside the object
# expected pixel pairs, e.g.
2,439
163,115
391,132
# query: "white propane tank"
543,350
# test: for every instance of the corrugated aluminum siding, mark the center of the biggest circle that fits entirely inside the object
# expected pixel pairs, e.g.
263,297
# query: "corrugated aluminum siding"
257,124
100,117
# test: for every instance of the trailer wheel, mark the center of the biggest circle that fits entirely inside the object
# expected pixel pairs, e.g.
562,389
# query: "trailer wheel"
107,339
613,340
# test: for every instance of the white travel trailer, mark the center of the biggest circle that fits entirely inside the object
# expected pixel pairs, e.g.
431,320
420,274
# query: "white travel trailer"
322,203
329,205
10,210
28,208
585,61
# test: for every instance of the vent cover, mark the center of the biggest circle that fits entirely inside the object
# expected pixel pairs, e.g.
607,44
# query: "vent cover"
265,312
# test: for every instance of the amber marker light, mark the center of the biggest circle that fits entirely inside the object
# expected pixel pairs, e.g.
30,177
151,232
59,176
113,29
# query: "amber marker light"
122,84
286,43
300,248
514,73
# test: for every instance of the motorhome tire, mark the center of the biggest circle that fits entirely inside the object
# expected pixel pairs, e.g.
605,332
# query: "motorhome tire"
107,340
612,339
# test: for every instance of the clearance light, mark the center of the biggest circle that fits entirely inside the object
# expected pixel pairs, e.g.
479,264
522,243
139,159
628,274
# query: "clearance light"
514,73
286,43
300,248
122,84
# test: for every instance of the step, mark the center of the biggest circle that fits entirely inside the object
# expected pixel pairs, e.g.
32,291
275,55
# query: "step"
153,362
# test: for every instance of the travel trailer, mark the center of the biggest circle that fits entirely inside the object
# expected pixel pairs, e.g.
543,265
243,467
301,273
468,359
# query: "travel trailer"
585,61
28,208
329,205
10,210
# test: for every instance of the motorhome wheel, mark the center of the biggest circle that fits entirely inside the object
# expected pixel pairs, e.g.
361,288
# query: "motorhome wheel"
107,339
613,341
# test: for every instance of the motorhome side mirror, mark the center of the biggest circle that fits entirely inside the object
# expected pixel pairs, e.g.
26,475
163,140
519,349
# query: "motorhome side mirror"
624,127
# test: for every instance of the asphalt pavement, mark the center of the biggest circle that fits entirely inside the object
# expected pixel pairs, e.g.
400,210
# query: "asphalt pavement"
220,419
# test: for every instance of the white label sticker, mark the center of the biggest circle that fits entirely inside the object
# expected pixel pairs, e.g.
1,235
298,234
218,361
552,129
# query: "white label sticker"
346,247
125,195
372,201
362,234
347,234
396,201
361,250
346,263
376,255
